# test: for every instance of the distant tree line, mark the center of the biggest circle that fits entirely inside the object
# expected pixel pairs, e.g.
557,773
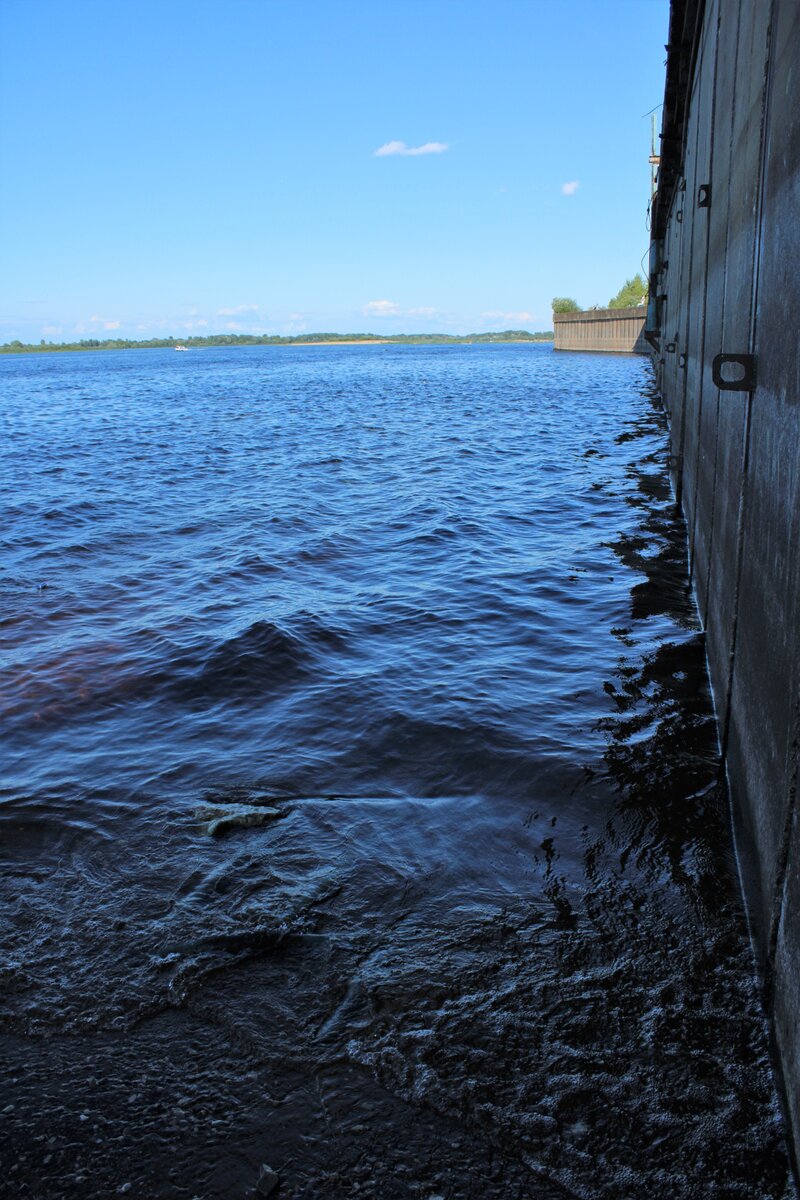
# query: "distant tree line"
632,294
253,339
565,304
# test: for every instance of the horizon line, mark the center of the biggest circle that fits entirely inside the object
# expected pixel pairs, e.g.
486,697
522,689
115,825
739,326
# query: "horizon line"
18,346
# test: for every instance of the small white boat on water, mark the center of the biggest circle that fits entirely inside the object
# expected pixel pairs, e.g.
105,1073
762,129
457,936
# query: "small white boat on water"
180,347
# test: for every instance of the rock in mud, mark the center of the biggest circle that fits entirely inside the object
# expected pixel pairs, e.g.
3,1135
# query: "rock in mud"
267,1181
220,819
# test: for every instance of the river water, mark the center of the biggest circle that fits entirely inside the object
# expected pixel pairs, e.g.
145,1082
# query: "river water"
359,811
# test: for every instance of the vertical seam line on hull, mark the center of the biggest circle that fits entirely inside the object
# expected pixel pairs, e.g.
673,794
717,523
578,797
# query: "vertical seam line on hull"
723,314
703,306
741,533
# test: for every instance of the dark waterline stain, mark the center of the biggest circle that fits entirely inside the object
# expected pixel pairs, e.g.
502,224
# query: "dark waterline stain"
362,815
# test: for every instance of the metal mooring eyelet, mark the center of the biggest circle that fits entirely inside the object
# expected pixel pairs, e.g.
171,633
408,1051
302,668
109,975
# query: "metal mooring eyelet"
743,381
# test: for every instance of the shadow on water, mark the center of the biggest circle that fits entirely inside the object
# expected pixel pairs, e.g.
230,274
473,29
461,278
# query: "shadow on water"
662,747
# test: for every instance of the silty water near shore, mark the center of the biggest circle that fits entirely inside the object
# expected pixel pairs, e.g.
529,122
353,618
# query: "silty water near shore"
359,809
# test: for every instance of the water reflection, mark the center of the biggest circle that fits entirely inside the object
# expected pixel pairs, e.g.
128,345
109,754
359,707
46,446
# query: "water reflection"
662,740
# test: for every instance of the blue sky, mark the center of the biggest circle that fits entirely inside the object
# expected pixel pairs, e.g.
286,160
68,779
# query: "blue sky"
196,166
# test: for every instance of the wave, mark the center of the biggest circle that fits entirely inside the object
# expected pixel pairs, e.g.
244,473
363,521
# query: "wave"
262,658
259,661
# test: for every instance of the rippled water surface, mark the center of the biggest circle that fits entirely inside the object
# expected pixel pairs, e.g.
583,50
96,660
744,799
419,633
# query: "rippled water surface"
359,810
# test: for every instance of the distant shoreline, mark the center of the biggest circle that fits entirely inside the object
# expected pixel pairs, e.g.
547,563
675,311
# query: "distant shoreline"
508,336
337,342
410,341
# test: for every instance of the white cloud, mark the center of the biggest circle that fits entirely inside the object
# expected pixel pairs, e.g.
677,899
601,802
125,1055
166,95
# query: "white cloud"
237,310
409,151
569,189
381,308
104,321
50,329
422,312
